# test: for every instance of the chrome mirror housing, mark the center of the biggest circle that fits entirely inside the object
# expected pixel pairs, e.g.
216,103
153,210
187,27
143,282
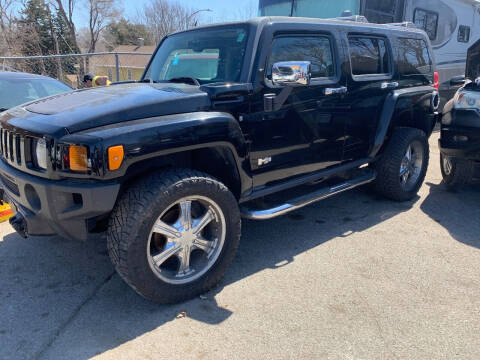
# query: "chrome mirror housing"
291,73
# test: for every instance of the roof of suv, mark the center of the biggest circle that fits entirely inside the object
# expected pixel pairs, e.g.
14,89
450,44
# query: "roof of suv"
262,21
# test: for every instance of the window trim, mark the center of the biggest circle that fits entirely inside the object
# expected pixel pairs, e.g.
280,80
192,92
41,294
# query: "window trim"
436,23
317,81
469,34
370,77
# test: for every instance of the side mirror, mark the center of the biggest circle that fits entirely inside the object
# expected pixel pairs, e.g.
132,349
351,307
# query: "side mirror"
457,80
291,73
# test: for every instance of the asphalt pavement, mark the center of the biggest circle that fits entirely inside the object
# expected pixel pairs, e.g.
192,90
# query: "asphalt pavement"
351,277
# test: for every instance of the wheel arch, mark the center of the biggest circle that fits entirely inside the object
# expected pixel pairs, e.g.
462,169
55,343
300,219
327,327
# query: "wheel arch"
211,142
404,108
217,160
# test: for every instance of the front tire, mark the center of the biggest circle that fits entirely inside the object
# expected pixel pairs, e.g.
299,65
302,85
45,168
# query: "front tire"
173,234
456,172
402,167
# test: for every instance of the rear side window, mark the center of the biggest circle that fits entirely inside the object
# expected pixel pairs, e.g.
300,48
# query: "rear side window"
414,57
369,56
316,49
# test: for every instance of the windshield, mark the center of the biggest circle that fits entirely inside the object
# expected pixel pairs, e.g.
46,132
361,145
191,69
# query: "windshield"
209,55
308,8
22,90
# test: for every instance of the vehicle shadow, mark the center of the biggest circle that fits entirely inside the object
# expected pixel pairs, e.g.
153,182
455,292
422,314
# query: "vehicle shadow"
62,299
462,205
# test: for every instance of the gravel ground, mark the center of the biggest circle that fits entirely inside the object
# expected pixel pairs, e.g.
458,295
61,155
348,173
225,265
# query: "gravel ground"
352,277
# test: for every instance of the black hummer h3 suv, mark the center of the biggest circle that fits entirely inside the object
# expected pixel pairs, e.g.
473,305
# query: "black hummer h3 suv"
286,110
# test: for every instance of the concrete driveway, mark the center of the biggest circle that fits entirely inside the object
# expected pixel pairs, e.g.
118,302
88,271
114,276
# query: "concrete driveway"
352,277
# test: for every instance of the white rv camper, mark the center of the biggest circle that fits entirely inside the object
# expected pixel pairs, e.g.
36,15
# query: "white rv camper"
452,25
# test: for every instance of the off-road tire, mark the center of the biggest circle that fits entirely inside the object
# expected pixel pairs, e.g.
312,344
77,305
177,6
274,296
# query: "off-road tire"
134,216
387,183
461,174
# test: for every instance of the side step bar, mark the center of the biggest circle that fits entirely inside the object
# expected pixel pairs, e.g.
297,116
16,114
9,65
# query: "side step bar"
307,199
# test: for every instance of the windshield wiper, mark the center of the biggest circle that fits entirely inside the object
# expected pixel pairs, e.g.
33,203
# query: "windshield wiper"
185,79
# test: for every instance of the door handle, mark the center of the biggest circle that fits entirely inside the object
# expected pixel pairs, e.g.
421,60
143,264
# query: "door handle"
339,90
389,85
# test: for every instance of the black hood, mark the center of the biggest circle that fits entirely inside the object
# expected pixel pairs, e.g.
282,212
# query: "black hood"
473,62
85,109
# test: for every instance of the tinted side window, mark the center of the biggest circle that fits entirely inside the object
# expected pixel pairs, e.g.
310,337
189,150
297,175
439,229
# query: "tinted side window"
463,33
414,58
426,20
369,56
317,50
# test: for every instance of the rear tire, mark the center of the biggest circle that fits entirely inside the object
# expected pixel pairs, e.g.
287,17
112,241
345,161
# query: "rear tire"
403,165
456,172
173,234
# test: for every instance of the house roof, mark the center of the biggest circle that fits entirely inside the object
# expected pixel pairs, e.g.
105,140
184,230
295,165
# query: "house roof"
125,60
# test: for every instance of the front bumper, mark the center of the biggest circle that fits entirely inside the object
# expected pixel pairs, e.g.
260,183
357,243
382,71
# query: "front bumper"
460,134
64,207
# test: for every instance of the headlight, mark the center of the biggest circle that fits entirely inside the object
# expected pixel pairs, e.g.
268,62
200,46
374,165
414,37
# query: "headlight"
40,152
466,100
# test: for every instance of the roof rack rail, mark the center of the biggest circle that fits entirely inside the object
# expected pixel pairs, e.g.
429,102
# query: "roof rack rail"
354,18
406,24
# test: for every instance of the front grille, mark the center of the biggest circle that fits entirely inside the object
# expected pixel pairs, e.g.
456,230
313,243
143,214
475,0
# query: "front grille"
16,150
12,147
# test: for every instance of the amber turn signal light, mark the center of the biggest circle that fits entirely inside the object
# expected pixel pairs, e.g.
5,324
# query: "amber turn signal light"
78,158
115,157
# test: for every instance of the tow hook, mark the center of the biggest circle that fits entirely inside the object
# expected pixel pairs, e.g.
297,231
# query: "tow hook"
19,224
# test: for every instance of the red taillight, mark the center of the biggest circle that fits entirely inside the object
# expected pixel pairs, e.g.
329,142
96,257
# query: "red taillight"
436,80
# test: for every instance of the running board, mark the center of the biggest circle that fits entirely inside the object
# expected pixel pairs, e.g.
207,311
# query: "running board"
307,199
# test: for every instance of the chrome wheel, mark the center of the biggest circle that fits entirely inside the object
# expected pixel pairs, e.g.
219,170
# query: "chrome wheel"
186,240
411,166
447,165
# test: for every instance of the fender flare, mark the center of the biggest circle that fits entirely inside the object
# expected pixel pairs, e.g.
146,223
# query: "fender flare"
388,112
156,137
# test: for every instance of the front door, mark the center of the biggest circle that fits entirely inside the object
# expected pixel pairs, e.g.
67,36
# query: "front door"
306,133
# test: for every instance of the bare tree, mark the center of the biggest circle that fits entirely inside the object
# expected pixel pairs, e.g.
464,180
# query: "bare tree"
7,27
65,9
163,17
100,13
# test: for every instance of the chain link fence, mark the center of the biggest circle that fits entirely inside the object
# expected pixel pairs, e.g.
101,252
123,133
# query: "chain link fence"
70,68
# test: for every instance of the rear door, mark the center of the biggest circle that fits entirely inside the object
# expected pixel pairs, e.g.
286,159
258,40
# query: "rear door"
371,79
